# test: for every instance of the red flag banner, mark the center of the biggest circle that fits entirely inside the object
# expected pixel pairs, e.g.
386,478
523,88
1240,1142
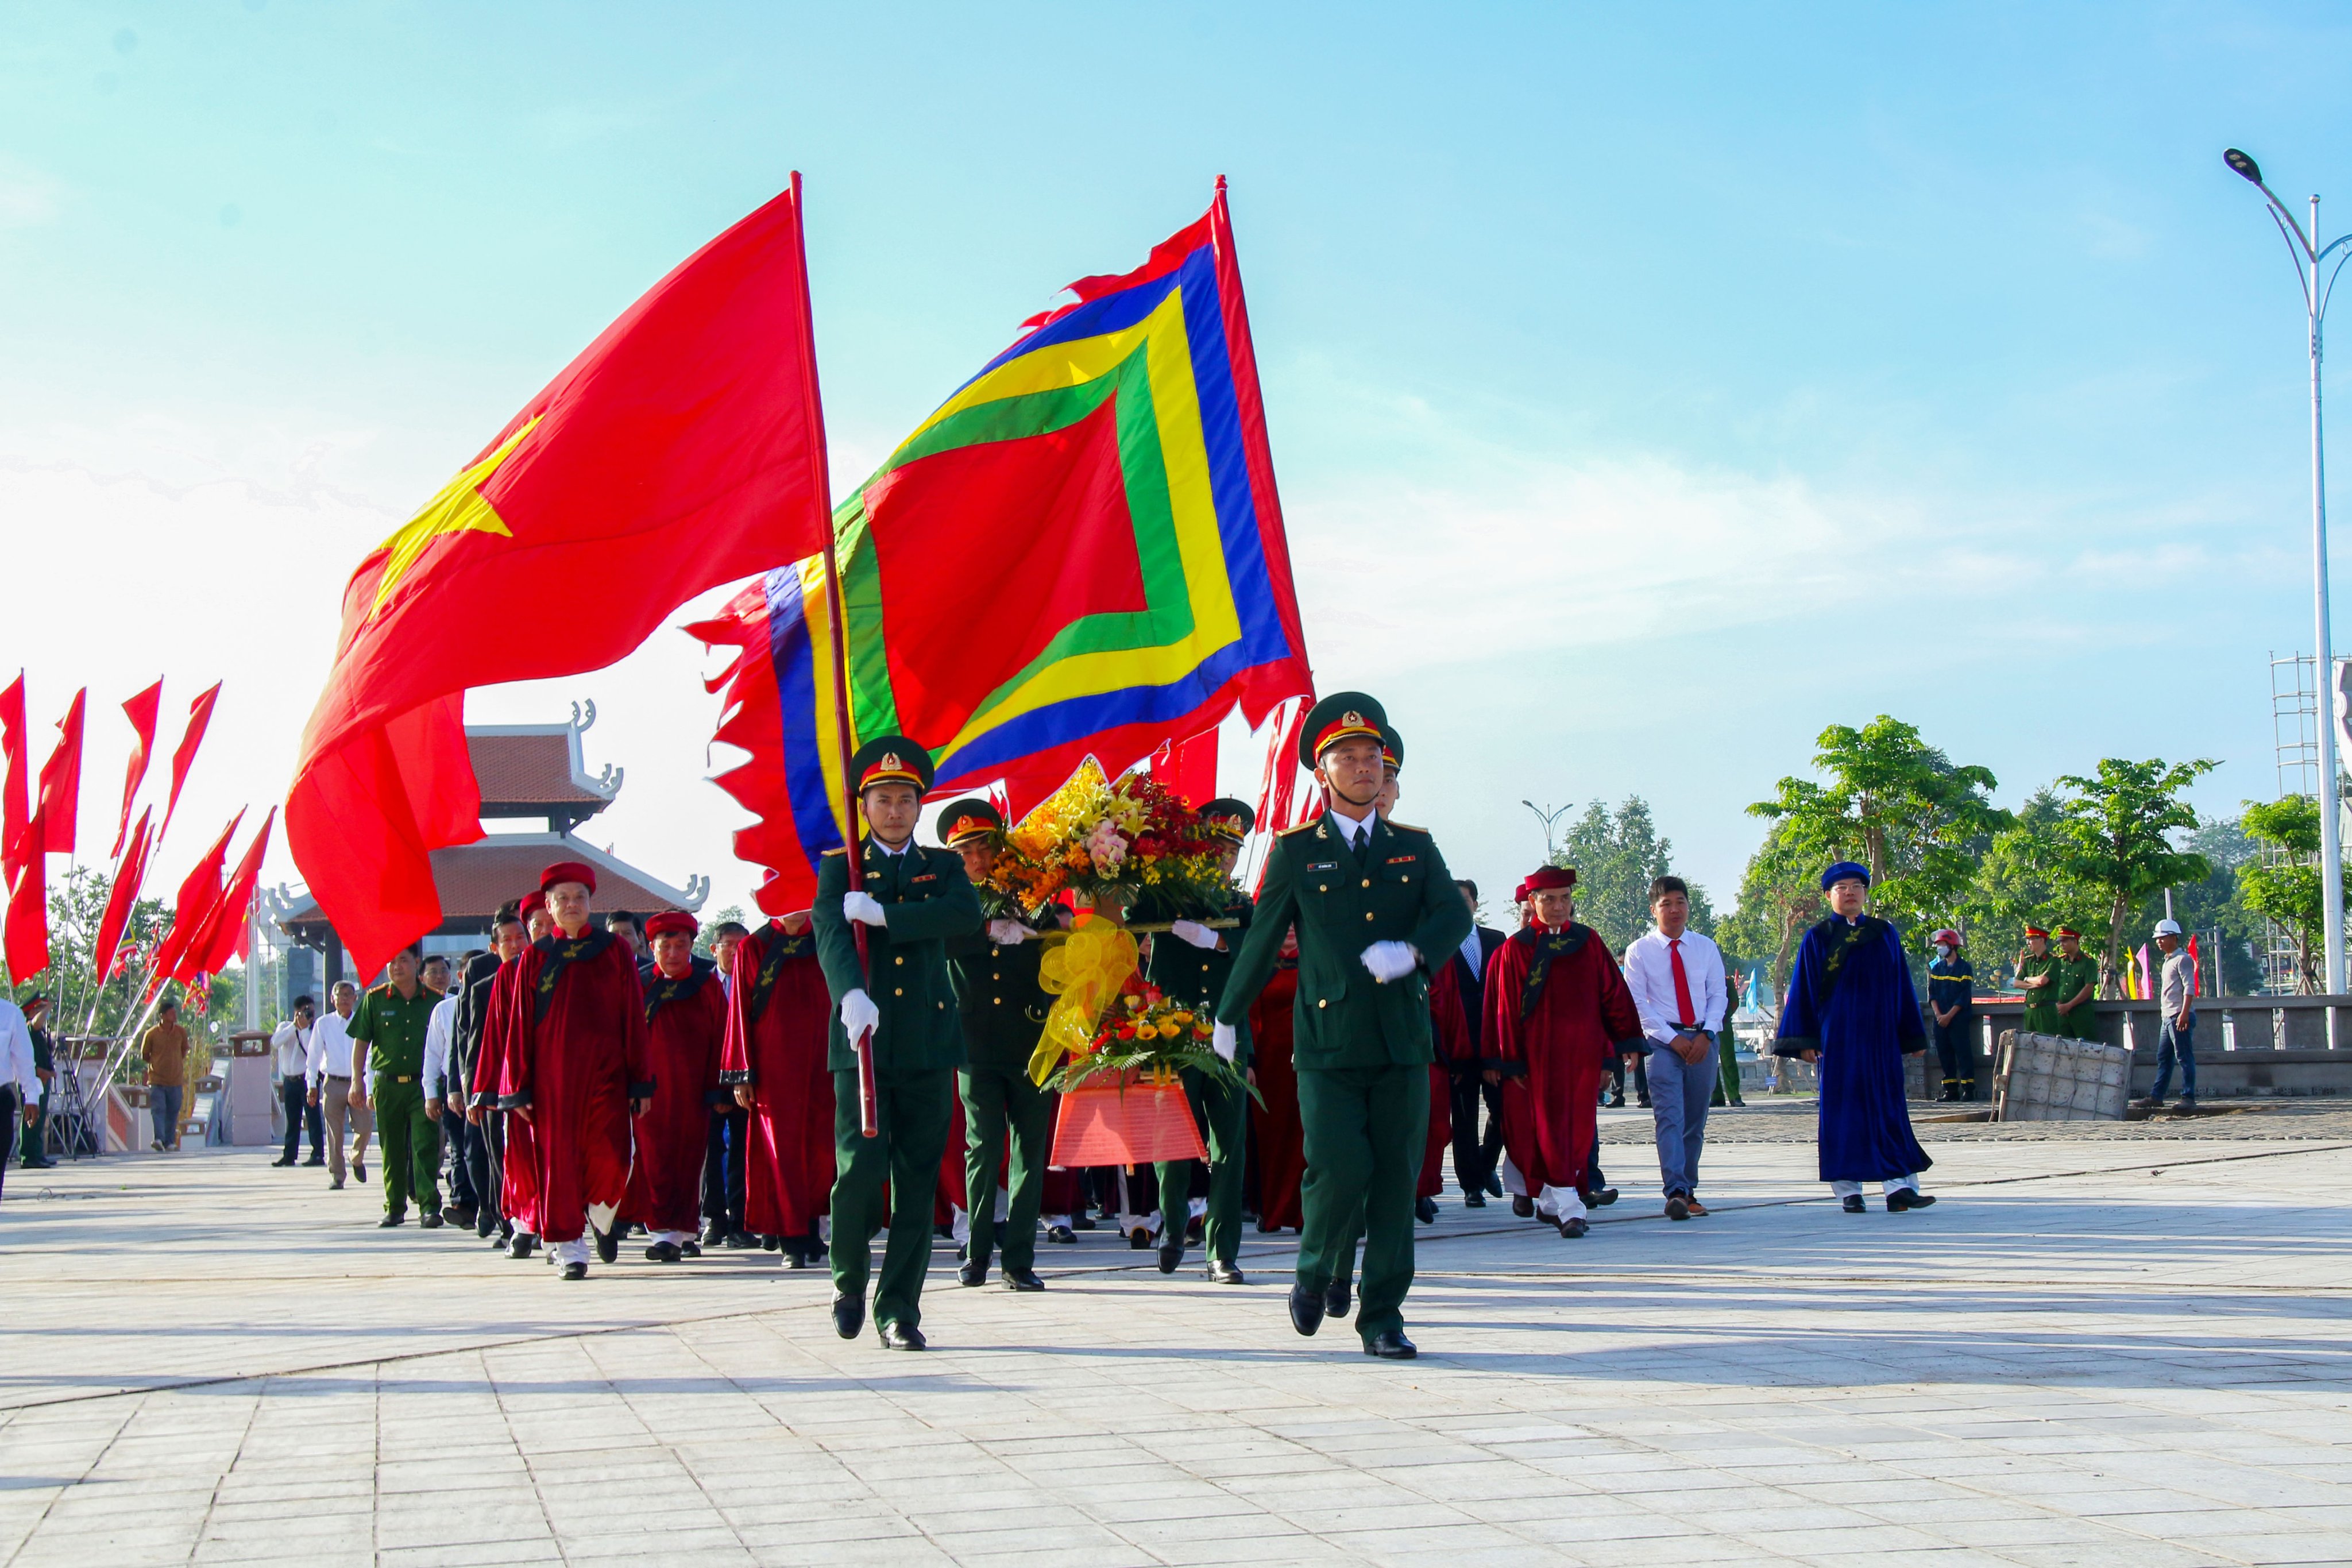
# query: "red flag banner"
200,890
677,453
14,812
54,817
27,938
128,875
142,711
200,717
224,936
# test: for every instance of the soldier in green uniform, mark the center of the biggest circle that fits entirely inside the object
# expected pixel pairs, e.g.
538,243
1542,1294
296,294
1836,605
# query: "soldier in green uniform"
2075,984
389,1030
1002,1010
1191,962
1375,910
2034,967
914,901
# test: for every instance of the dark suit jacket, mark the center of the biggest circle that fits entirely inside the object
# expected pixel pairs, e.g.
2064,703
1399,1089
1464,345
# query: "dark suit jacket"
1471,983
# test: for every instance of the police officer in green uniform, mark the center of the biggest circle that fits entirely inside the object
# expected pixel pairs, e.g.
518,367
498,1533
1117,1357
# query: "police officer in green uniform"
914,901
1002,1010
1375,910
390,1024
2036,976
2073,988
1191,962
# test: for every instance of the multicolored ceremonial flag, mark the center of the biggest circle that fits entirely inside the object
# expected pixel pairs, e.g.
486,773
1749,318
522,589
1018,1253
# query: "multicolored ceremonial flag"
1081,553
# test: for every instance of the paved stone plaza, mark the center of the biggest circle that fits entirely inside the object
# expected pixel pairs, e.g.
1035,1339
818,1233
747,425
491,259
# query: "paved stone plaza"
2097,1349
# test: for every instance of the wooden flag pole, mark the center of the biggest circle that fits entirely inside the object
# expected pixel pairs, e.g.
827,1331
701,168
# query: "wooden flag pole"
820,487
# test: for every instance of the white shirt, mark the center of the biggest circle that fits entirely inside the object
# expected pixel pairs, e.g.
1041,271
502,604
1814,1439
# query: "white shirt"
17,1054
293,1048
331,1048
1351,832
1650,975
438,1029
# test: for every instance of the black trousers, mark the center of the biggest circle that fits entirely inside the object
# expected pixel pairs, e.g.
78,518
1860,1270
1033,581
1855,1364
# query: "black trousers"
1476,1153
295,1094
455,1133
11,1117
488,1142
723,1155
1956,1049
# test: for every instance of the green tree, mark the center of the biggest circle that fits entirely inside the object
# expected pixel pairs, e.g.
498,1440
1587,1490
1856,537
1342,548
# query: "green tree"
2021,881
2287,889
1616,856
2216,905
1888,799
712,922
2115,834
1779,896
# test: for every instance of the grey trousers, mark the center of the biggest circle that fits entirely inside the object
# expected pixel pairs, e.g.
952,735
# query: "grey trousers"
334,1098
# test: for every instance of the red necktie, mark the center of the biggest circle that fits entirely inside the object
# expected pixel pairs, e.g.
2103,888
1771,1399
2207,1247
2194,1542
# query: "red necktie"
1682,984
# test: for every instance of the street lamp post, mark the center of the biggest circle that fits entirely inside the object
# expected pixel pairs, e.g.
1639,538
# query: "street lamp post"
2309,257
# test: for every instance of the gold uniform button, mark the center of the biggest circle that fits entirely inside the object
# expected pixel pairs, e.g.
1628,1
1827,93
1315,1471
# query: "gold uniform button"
1322,887
998,1000
1320,1004
899,991
1368,914
902,959
1368,881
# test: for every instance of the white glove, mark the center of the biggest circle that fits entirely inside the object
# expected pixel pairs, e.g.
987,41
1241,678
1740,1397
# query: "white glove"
1391,960
1221,1041
1007,931
858,1012
863,907
1195,933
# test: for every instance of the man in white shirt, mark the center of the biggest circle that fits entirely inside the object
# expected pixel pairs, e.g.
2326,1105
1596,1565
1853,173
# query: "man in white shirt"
331,1086
291,1045
20,1086
437,1033
1676,978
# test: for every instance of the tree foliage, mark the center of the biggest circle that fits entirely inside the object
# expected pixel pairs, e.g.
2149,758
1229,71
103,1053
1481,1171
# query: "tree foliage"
2115,837
1616,855
2287,889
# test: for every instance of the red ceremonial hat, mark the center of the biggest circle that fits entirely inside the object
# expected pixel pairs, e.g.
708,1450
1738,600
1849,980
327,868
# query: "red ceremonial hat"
673,922
2037,930
567,871
531,903
1519,893
2070,931
1548,876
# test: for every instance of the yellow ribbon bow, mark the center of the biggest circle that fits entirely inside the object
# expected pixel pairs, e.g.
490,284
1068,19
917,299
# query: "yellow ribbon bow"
1085,973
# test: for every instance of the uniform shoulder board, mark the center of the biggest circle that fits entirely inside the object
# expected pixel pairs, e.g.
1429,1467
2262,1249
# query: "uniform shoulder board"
837,849
1302,827
1407,827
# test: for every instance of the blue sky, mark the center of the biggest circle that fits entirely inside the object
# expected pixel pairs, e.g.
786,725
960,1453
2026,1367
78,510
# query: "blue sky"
1648,387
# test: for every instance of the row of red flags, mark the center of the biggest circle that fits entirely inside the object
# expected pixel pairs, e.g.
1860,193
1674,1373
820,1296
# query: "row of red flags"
209,924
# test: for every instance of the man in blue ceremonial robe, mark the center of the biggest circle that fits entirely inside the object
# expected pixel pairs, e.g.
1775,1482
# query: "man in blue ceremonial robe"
1852,1010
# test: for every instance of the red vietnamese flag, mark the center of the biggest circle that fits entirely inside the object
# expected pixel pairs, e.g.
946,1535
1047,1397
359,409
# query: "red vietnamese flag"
681,450
200,717
200,890
224,936
24,942
128,876
140,710
14,813
56,812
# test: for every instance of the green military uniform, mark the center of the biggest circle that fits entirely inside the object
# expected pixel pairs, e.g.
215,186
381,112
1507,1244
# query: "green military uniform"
393,1028
1197,975
1361,1048
2067,978
2041,1001
1002,1011
918,1044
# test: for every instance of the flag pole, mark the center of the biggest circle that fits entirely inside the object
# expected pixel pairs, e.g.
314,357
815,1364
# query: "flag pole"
821,488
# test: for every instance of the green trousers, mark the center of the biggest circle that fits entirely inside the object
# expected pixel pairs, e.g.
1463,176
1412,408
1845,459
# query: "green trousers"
912,1109
1365,1130
997,1101
412,1147
1225,1112
1727,1059
2082,1023
2040,1018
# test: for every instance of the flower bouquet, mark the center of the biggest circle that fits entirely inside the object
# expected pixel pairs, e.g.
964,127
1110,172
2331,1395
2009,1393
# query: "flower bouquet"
1107,845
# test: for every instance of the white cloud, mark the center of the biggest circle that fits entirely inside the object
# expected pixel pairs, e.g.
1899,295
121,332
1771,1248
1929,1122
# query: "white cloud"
28,197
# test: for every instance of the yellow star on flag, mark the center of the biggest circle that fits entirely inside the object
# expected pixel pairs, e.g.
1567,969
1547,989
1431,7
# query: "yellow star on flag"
458,508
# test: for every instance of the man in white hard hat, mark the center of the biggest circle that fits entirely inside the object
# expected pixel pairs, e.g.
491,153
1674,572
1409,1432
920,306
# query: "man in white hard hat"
2176,993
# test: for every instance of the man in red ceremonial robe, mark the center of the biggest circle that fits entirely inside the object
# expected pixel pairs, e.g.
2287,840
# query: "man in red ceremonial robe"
1281,1137
1558,1013
686,1027
778,1013
573,1067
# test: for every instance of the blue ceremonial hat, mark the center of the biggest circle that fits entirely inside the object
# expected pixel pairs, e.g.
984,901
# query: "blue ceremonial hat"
1841,871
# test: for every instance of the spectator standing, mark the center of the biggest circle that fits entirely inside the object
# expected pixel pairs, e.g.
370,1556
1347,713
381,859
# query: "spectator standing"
164,1049
19,1085
1676,978
2177,1041
1951,999
45,1060
331,1086
291,1045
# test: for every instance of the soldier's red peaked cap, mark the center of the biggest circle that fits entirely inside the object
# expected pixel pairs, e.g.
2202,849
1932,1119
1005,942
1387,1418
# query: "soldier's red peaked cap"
1342,716
1545,877
2064,931
969,821
2037,930
567,871
673,922
892,759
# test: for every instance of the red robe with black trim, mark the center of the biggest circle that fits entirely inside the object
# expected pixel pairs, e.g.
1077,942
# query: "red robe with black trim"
685,1029
776,1043
1558,1010
572,1053
1281,1137
519,1160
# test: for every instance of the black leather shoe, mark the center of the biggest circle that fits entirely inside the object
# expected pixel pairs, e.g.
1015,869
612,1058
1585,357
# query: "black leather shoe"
459,1215
1171,1251
1524,1206
430,1222
1390,1346
1306,1309
519,1246
1575,1227
575,1271
741,1241
1677,1208
899,1337
1425,1210
1023,1280
663,1252
1854,1203
1474,1200
315,1160
973,1272
359,1168
608,1245
690,1249
1083,1222
1495,1186
1061,1235
848,1316
1223,1273
1336,1299
771,1242
1138,1240
1903,1198
800,1257
388,1221
1600,1197
274,1165
714,1235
